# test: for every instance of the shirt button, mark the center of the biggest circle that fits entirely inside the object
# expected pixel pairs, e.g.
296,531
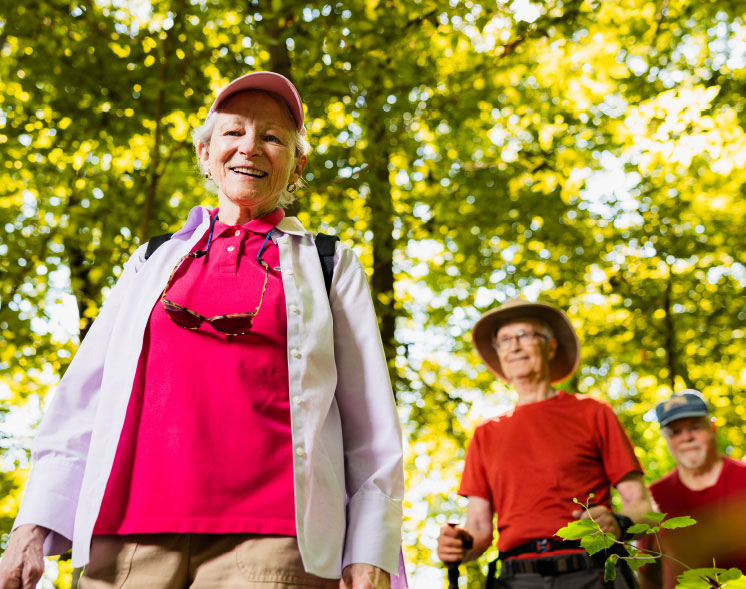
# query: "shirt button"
237,233
295,353
231,248
299,451
297,401
294,309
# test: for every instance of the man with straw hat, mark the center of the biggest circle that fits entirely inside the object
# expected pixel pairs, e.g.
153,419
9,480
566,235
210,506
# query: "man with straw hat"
528,465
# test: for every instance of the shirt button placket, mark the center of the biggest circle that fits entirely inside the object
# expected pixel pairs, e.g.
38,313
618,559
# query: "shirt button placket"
230,258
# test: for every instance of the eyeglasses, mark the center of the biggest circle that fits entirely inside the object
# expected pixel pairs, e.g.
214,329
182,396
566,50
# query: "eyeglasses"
522,338
676,430
231,324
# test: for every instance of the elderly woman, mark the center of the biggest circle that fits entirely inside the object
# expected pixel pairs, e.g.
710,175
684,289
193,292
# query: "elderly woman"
226,422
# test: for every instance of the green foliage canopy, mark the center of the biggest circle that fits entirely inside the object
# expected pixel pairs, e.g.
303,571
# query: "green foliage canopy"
589,152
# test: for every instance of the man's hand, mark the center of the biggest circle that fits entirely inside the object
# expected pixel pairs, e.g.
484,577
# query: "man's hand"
363,576
603,517
22,564
451,543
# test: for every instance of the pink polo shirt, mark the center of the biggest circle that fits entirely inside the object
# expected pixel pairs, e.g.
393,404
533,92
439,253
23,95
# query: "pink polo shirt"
206,445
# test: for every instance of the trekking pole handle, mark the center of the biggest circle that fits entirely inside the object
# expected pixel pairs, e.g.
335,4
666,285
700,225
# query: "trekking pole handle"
453,572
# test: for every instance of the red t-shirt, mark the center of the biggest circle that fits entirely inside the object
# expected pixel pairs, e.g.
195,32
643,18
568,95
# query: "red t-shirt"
206,445
720,531
532,462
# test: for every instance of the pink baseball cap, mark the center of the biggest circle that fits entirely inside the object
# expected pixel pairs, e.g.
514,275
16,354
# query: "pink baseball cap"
269,82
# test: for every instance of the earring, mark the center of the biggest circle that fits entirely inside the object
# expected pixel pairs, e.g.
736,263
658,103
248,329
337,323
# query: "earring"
208,175
291,188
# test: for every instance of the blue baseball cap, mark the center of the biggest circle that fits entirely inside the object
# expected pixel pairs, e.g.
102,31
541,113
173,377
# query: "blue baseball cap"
687,403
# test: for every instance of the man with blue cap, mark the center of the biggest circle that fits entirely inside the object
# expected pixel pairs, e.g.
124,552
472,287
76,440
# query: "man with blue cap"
705,485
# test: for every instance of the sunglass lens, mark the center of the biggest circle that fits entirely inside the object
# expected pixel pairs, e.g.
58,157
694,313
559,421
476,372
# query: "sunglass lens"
183,317
233,325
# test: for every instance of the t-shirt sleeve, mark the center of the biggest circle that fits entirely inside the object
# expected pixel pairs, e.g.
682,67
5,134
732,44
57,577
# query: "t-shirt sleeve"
617,450
474,480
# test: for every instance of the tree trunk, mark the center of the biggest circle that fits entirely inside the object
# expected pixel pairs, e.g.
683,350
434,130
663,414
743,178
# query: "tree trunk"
676,367
279,62
155,158
86,293
670,334
382,224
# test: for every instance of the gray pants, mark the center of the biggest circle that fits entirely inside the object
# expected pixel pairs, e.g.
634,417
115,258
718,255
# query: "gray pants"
591,578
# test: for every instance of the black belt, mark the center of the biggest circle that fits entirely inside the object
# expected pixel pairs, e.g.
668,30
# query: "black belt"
547,567
540,565
539,545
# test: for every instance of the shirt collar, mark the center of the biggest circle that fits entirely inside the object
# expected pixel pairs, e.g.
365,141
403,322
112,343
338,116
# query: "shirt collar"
261,225
197,216
292,226
200,215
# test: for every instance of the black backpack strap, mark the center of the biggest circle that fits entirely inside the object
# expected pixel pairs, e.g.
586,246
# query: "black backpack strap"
326,244
155,242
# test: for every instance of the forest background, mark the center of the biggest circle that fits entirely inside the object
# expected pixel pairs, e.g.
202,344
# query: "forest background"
591,154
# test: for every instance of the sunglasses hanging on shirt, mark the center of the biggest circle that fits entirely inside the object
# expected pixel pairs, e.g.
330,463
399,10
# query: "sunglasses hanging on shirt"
230,324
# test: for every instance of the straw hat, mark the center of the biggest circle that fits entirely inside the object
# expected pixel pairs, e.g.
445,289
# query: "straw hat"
565,360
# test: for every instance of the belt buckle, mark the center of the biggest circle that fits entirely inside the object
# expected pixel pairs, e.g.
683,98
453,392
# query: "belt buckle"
543,545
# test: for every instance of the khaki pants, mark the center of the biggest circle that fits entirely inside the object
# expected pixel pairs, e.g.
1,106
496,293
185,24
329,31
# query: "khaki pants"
200,561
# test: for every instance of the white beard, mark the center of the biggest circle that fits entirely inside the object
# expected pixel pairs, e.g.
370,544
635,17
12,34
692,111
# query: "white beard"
693,458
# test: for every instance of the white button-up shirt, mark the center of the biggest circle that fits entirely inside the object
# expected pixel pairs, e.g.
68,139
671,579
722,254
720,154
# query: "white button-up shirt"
347,464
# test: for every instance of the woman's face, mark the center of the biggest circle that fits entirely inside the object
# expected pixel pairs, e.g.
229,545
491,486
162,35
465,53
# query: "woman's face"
251,155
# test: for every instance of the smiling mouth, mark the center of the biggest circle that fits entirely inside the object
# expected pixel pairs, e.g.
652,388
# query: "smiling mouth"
252,172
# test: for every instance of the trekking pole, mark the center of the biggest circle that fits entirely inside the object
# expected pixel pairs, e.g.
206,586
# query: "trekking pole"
453,575
453,572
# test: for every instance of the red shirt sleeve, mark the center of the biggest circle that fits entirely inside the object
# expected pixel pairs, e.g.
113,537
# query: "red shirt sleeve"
617,451
474,480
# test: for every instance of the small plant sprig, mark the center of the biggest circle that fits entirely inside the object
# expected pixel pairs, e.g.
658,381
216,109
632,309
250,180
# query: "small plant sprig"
593,539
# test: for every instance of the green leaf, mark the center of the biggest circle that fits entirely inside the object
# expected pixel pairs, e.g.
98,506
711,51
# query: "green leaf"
702,578
638,561
597,542
738,583
638,528
678,522
610,568
732,574
655,516
578,529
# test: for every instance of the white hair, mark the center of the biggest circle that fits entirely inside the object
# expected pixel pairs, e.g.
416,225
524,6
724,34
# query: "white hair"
201,136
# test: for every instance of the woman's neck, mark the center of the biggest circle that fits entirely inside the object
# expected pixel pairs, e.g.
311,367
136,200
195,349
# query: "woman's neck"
232,214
